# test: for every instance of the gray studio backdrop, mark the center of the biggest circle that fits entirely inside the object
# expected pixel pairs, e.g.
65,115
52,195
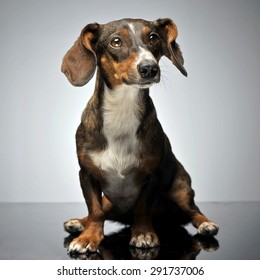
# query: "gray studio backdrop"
211,117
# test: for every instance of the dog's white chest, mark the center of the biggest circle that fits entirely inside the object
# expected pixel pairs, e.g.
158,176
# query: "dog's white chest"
119,160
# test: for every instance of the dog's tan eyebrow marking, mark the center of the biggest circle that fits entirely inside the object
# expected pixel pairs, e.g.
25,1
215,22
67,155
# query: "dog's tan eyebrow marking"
124,31
146,30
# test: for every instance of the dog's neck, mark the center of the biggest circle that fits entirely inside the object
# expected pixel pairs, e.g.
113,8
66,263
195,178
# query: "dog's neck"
119,96
122,108
119,107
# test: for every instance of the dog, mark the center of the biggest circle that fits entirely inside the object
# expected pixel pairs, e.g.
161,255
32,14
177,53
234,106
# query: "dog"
128,172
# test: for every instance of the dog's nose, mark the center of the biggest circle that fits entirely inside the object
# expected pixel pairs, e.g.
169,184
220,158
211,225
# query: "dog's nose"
148,69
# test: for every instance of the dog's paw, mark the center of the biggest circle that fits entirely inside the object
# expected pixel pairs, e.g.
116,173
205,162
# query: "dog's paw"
145,240
81,245
208,229
77,247
73,226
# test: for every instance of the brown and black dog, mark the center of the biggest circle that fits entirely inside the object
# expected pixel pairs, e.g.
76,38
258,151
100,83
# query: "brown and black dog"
128,172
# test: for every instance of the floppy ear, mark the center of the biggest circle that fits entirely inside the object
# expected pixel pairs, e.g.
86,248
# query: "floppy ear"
79,63
168,32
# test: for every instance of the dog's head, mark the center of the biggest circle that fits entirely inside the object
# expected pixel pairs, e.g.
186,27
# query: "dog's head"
126,51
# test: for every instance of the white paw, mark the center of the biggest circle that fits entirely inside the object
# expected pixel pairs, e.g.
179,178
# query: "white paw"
77,247
82,244
208,229
148,240
73,226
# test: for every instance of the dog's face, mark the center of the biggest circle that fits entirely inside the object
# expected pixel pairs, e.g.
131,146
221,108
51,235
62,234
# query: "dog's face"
126,51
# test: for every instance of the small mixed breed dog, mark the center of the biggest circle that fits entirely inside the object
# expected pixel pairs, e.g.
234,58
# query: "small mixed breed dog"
128,172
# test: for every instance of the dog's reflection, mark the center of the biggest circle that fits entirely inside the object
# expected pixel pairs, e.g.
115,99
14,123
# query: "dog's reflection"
176,244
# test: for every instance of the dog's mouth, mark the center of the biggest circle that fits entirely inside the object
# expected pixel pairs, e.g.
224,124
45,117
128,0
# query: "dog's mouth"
142,83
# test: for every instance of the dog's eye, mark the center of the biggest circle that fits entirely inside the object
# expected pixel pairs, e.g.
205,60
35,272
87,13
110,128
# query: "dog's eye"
153,38
116,43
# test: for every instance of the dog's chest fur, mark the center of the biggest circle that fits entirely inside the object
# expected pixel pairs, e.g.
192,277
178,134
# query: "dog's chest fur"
121,110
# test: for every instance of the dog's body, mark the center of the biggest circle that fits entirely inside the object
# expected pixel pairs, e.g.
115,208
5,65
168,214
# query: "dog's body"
128,171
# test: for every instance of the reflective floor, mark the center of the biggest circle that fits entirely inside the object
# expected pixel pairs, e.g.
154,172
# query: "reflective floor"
35,231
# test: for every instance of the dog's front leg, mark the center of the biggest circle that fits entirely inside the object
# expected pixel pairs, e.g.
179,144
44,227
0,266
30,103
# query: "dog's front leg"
143,233
93,231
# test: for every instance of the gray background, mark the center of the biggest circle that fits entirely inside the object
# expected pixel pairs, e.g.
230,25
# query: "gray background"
211,117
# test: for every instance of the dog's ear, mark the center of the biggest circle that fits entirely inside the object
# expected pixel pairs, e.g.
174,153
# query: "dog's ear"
79,63
168,32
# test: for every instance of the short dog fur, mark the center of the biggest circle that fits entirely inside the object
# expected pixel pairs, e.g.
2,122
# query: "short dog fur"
128,172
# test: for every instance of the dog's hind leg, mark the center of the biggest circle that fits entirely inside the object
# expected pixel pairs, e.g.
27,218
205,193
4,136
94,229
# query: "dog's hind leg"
183,196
